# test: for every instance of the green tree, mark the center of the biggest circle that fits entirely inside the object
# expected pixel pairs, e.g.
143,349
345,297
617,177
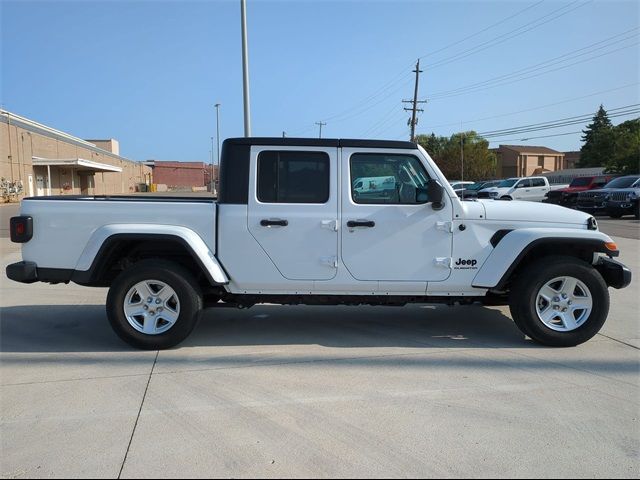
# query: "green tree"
625,155
598,141
479,161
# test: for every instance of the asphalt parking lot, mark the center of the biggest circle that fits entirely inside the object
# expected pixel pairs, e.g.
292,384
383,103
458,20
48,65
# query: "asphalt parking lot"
428,391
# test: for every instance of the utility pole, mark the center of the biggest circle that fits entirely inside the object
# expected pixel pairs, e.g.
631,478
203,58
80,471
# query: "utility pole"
320,124
284,134
245,69
217,106
413,121
211,179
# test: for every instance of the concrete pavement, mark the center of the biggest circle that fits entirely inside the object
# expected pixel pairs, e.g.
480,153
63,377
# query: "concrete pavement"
314,391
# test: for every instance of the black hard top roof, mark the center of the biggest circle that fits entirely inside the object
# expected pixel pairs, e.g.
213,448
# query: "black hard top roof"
320,142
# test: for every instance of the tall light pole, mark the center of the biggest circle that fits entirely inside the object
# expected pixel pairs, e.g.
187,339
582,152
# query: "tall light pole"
245,69
211,178
217,105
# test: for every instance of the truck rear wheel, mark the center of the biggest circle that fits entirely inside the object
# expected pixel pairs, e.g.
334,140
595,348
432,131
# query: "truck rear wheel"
559,301
154,304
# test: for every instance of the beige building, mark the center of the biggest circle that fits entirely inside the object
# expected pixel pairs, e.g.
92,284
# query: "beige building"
37,160
524,160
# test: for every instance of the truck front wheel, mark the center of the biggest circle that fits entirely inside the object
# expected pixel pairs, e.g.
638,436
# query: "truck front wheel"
154,304
559,301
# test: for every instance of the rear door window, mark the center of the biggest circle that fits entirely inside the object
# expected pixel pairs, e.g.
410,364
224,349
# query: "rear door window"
293,177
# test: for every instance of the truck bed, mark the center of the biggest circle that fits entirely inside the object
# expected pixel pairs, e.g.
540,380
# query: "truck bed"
128,198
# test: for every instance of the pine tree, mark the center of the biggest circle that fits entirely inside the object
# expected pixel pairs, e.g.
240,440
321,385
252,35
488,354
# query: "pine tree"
598,141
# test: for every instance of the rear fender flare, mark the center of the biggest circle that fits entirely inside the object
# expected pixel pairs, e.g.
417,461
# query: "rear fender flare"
187,237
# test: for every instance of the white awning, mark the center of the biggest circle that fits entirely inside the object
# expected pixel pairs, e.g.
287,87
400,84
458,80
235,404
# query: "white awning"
77,163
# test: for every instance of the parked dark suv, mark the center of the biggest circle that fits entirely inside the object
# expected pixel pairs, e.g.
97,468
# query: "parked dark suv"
623,202
595,201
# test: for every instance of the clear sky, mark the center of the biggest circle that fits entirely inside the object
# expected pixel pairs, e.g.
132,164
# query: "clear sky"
148,72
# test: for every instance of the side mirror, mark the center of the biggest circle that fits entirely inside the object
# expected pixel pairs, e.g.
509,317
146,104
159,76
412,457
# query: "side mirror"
434,193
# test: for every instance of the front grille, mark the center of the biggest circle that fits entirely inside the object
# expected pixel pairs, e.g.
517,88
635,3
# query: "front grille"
619,196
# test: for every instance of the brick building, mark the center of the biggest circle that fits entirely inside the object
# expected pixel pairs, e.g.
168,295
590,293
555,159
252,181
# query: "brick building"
38,160
525,160
182,175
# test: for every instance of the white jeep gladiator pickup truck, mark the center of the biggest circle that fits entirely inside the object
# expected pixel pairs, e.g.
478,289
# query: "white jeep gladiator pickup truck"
290,227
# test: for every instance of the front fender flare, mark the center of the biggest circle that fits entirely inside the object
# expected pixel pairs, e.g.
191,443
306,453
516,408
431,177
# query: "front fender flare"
190,239
515,245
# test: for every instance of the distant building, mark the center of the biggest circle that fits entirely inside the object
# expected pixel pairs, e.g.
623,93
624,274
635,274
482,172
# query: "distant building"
182,175
572,159
38,160
526,160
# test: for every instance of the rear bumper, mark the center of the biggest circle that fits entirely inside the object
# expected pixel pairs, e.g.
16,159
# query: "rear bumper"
23,272
615,274
28,272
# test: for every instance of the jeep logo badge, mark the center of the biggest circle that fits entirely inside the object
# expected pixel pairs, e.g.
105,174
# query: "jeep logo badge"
463,264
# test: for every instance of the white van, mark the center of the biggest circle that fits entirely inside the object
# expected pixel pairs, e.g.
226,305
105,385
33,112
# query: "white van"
533,189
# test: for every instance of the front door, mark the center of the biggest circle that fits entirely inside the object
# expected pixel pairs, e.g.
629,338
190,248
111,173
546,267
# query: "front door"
293,209
391,231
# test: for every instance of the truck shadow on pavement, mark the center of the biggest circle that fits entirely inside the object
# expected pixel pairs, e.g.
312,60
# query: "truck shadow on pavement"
84,328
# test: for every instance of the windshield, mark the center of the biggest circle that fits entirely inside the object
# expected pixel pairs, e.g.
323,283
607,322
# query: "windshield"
507,183
623,182
580,182
480,185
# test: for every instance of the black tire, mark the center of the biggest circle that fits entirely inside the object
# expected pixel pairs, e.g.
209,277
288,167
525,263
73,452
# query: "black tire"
523,297
506,197
185,287
615,215
636,212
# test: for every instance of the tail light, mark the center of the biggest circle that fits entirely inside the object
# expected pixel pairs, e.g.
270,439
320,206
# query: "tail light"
21,229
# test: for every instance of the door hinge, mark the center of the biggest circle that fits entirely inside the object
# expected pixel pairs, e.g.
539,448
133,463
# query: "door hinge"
330,261
330,224
445,226
443,262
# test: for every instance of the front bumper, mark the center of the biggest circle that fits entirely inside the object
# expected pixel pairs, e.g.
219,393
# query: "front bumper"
620,208
615,274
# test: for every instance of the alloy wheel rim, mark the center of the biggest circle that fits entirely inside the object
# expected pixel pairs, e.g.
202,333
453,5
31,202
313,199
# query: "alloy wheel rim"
564,304
151,307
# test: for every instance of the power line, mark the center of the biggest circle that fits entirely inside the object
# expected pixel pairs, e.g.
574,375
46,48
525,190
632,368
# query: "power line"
475,90
402,75
578,119
533,138
521,30
482,31
545,64
560,102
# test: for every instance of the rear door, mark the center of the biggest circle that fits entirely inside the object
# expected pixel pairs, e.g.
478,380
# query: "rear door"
539,189
392,233
293,209
522,190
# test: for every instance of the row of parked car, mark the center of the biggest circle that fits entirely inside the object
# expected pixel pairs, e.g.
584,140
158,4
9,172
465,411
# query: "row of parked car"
598,195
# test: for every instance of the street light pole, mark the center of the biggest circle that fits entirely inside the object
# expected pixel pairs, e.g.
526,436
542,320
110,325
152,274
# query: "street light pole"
217,105
245,69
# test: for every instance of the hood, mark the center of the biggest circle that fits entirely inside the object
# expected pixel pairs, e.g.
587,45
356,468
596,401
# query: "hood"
514,210
575,189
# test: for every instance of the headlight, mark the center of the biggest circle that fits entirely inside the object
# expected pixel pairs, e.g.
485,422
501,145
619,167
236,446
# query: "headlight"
633,196
607,197
493,194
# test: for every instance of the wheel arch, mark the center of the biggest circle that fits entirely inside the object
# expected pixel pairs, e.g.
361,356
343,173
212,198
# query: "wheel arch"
519,248
111,244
